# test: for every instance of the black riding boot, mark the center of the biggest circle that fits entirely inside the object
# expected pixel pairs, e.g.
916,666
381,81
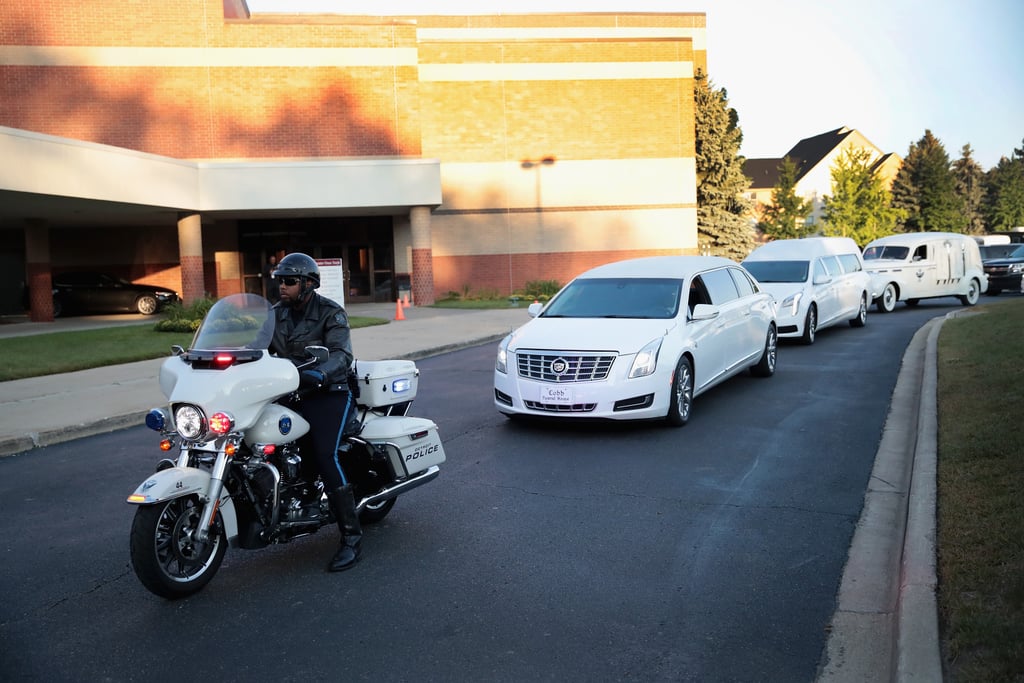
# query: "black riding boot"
344,507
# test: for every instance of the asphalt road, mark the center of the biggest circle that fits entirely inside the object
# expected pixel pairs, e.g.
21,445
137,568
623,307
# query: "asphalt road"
543,551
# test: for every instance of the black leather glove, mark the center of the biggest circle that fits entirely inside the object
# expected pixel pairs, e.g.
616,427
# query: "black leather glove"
312,379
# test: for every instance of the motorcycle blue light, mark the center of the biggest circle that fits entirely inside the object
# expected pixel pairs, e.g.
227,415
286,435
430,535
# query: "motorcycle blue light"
400,385
156,420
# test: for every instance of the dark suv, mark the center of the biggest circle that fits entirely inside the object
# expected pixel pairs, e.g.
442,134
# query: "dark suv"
1004,264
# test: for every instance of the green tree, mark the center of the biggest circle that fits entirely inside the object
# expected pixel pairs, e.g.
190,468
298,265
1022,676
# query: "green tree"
969,186
924,189
786,216
723,226
1004,195
860,206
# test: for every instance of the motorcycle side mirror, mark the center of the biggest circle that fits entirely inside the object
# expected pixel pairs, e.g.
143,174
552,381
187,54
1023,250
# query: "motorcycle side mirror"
177,350
320,353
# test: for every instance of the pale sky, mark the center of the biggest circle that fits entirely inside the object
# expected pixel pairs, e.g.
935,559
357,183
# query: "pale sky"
797,68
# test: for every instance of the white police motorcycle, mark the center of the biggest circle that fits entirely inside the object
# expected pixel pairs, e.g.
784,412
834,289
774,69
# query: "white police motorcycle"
237,477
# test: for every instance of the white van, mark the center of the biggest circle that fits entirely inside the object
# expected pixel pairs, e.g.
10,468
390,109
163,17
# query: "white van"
923,265
817,282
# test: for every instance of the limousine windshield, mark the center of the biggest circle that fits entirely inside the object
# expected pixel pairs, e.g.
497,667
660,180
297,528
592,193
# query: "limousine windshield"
778,271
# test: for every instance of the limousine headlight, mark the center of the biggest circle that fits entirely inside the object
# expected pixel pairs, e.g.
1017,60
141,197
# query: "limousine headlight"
646,360
501,363
792,302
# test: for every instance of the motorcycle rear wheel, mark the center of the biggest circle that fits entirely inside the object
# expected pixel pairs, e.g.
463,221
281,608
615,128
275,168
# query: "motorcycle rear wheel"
165,555
375,513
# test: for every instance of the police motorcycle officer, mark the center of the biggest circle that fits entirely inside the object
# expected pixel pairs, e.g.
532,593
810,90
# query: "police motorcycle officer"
305,318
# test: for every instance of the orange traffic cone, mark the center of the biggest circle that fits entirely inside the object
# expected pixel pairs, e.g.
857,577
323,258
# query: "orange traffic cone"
399,315
406,302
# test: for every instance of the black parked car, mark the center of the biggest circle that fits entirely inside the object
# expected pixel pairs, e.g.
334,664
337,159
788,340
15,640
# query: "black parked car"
1004,265
103,293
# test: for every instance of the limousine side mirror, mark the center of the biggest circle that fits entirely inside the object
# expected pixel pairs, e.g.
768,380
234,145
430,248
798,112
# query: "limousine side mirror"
821,279
704,312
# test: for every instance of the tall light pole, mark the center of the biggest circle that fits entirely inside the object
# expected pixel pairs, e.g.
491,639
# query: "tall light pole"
535,165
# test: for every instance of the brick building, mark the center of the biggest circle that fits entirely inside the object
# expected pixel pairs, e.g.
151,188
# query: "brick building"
182,143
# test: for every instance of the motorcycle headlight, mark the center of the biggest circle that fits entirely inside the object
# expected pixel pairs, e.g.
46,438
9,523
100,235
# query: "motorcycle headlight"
501,363
646,360
190,421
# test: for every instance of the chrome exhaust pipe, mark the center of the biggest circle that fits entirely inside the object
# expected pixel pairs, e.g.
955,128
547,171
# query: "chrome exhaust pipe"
401,487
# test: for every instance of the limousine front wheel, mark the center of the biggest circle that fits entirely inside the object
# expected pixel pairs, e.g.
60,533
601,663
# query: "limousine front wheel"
887,302
973,294
862,313
681,402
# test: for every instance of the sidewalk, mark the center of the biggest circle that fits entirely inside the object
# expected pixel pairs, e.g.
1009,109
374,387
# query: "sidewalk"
885,627
41,411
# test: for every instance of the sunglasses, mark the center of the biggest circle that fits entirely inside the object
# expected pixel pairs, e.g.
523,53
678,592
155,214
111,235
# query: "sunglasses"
289,281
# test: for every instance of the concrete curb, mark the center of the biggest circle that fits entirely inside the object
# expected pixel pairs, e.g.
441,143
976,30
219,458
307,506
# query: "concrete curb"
28,442
885,627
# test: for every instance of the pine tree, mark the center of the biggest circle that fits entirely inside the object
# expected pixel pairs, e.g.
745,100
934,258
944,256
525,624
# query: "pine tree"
969,186
1004,196
860,206
723,226
786,216
924,189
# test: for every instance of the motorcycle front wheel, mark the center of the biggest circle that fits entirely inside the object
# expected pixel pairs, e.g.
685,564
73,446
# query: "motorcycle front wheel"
166,556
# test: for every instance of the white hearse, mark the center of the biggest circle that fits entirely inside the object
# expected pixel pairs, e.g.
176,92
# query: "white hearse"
924,265
818,282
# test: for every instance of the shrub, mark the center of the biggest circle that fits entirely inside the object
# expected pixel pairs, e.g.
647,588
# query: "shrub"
536,289
181,318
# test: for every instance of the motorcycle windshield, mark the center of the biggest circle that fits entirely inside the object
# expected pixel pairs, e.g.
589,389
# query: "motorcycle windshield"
239,321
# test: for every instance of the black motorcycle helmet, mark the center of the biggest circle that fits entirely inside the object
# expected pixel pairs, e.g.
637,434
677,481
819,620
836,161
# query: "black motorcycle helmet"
298,265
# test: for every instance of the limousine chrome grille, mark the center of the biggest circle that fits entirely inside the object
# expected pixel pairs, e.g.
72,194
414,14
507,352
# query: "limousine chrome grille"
560,408
560,368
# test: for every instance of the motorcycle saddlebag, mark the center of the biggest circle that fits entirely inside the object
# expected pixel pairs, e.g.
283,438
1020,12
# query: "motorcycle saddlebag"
413,442
386,382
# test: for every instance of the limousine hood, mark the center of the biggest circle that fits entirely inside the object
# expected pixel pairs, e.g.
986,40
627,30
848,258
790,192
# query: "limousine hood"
621,335
781,290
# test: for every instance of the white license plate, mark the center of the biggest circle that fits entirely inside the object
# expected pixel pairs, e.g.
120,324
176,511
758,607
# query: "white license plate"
556,394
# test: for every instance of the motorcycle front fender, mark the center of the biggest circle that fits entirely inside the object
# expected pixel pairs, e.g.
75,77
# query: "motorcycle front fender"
177,482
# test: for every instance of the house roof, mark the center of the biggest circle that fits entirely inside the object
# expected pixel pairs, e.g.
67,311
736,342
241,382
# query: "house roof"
806,154
809,152
763,173
883,160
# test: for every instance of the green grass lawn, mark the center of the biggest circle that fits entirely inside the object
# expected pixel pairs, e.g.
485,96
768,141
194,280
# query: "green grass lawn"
981,493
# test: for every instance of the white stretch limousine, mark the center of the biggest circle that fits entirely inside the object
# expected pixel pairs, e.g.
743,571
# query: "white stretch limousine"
637,339
818,282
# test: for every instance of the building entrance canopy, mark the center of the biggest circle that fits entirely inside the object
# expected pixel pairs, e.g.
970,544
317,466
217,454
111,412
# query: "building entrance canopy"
67,182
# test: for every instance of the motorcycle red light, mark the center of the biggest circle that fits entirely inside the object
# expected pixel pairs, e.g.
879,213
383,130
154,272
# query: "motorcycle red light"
268,449
221,423
222,360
